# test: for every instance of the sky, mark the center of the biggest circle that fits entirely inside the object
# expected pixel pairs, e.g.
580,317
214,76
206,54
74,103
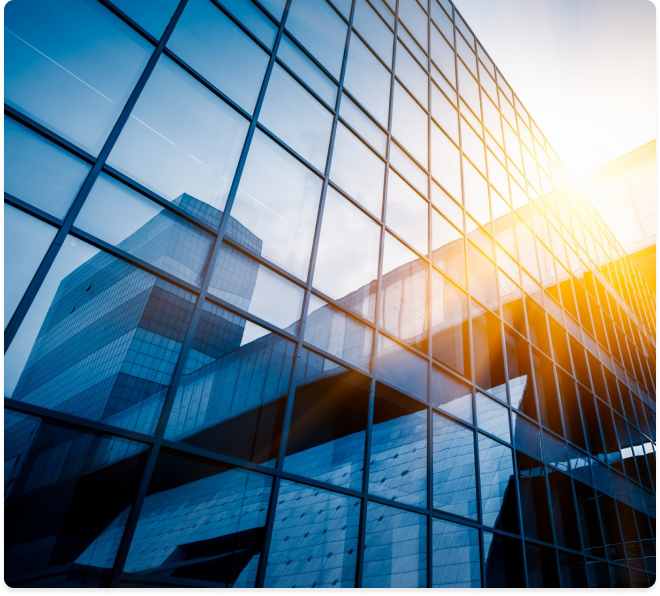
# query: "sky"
584,69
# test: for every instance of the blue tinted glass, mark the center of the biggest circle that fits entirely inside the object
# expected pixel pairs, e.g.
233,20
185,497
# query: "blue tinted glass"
73,68
410,125
454,472
450,394
233,389
26,241
218,50
395,548
373,30
181,138
398,448
368,80
498,488
493,417
276,206
409,169
415,20
407,213
364,126
444,113
49,468
130,221
275,7
153,15
320,29
314,542
357,170
171,527
402,368
241,281
411,75
297,61
339,334
347,260
403,303
254,19
455,555
101,340
327,432
60,174
297,118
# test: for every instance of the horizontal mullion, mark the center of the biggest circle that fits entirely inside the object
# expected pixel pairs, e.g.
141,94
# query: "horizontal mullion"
244,28
129,21
292,73
357,102
75,420
333,358
49,134
156,198
32,210
339,306
133,260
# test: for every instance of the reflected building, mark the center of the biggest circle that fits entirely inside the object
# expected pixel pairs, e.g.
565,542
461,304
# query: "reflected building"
354,364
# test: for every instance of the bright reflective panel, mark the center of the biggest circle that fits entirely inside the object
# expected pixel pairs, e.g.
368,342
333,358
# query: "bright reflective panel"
455,556
347,260
276,205
407,213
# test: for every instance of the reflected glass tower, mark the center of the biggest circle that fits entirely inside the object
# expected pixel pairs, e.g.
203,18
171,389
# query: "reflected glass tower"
298,295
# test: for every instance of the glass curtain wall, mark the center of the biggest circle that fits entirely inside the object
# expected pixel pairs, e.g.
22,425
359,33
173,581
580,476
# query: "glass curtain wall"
297,294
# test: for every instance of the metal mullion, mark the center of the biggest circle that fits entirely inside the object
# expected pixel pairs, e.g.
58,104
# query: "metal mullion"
383,331
76,206
424,259
333,358
327,486
284,66
129,21
360,207
244,28
165,203
31,210
137,262
74,420
311,56
51,136
390,69
357,102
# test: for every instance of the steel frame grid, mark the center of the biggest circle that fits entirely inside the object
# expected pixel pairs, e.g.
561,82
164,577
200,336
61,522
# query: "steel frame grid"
158,441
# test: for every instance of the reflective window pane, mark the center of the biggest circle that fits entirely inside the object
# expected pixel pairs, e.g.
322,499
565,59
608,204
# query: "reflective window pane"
488,352
358,171
450,394
122,217
100,340
328,424
359,121
503,561
73,68
153,15
254,19
276,205
232,394
498,487
68,493
314,541
26,241
217,49
401,367
446,163
493,417
339,334
320,30
347,259
373,30
297,118
368,80
175,546
395,548
407,213
410,125
455,556
398,448
449,331
454,472
241,281
181,138
60,174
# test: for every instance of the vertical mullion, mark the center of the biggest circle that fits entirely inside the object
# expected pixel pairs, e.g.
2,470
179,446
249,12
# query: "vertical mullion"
54,248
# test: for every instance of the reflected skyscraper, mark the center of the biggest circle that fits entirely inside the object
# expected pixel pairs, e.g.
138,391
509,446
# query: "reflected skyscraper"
306,301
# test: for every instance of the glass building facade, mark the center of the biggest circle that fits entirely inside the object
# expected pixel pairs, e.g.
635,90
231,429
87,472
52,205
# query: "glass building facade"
297,295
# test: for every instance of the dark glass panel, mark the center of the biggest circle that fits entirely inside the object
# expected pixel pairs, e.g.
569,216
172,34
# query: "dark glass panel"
537,522
398,448
546,390
450,394
563,510
401,367
589,521
503,562
68,494
611,529
598,574
573,570
538,332
591,424
314,541
571,410
455,556
232,394
579,362
560,346
176,545
328,423
521,388
488,353
630,535
395,548
541,566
